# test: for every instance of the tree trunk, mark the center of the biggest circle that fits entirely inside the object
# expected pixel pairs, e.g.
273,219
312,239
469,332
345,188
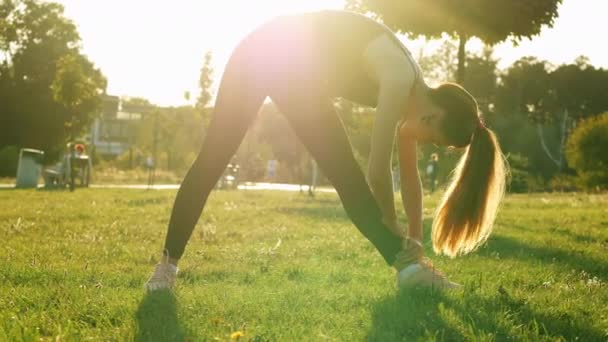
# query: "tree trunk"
559,161
462,42
543,144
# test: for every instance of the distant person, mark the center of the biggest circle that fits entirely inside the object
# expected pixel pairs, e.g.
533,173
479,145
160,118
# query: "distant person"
431,171
302,62
314,175
151,169
271,170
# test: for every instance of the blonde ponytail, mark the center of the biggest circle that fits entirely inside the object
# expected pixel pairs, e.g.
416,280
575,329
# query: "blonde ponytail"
465,217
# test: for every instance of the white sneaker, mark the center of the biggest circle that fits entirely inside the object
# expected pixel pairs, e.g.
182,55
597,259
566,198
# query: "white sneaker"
163,277
423,274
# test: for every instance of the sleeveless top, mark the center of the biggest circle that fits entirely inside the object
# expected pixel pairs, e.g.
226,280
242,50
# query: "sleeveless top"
343,38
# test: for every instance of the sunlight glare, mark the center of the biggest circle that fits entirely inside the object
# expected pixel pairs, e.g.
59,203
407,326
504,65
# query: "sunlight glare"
154,49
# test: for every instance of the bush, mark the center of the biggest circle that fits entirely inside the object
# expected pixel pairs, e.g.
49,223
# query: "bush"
586,152
9,158
520,179
563,183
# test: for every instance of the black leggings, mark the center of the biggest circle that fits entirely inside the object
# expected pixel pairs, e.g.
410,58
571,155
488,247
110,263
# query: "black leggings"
246,82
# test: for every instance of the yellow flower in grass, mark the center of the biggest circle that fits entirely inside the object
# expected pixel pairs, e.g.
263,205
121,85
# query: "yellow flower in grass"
237,335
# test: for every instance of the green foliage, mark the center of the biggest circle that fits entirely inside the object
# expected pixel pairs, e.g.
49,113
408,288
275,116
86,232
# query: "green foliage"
173,135
490,21
271,137
48,90
586,151
73,265
78,87
204,83
518,167
524,89
358,122
179,134
542,91
481,79
579,88
542,103
564,182
73,87
9,158
441,65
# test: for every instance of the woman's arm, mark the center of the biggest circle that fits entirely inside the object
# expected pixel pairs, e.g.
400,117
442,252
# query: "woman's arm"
395,76
379,169
411,187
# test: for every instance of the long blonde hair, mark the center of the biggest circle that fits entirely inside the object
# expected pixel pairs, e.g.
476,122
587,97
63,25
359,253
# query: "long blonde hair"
465,217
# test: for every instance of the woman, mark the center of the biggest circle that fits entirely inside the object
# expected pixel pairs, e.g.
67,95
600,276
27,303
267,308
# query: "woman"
304,61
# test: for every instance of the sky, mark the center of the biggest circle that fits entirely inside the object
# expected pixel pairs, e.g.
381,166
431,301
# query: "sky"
154,48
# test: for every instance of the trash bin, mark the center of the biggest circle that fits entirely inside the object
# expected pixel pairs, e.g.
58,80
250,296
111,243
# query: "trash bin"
29,168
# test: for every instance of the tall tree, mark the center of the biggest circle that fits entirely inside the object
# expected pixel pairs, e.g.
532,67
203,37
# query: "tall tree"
481,80
35,38
489,20
205,82
77,87
554,99
440,66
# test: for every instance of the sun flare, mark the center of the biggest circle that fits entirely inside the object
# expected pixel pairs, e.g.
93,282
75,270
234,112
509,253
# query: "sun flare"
154,49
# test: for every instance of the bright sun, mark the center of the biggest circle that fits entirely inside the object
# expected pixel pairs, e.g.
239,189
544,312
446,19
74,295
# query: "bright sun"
155,49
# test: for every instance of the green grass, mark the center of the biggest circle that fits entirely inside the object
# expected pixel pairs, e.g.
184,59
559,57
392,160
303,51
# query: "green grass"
72,266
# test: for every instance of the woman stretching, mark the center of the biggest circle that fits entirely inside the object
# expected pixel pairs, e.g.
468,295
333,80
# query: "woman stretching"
302,62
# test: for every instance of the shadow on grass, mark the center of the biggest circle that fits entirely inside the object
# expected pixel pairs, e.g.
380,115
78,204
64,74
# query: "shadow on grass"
577,260
432,315
157,318
569,233
409,316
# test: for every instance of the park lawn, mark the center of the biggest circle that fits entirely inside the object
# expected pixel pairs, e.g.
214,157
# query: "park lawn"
279,266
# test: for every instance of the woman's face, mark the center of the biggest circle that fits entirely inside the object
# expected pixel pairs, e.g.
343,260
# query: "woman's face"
424,124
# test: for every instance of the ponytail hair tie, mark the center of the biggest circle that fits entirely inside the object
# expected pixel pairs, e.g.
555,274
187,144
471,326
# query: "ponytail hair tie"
481,124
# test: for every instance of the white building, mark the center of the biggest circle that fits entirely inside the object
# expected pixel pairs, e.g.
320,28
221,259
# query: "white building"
112,133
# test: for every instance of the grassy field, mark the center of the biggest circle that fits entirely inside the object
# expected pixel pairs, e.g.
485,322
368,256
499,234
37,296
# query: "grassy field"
285,267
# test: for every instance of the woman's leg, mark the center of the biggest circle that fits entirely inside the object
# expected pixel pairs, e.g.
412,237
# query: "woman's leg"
238,101
318,126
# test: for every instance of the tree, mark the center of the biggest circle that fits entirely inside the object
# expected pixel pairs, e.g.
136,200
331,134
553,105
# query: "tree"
283,141
172,135
78,87
586,151
481,80
579,88
553,100
525,91
490,21
205,82
35,38
440,66
576,92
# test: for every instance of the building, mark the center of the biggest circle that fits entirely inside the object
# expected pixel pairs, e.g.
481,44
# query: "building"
113,131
